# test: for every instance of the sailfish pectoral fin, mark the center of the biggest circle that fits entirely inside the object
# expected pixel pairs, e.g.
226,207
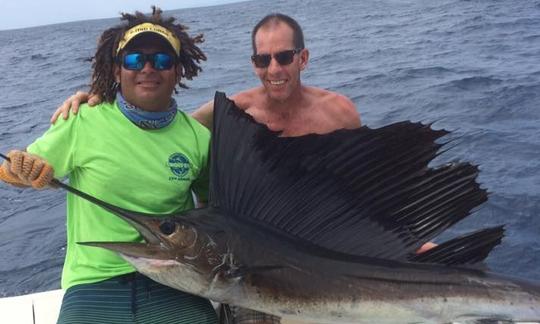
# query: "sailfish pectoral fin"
225,314
243,271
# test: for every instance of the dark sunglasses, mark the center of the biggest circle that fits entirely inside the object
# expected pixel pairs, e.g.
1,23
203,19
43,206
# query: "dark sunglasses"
283,58
135,61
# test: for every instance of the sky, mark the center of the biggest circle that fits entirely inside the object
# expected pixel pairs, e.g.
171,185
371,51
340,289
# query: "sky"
28,13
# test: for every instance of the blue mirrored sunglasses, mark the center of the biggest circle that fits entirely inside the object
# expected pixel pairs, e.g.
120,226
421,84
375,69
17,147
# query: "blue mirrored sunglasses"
135,61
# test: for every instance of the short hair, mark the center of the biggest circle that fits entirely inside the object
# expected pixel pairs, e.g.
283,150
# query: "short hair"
104,60
298,35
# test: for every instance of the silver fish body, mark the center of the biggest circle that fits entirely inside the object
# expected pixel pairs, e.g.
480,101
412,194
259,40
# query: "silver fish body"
272,276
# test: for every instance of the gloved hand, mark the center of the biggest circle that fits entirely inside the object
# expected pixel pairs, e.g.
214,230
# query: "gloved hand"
26,169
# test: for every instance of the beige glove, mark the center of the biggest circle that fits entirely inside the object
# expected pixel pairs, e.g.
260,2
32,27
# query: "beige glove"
26,169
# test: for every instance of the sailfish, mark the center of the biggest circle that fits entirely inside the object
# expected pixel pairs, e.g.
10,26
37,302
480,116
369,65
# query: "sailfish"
325,229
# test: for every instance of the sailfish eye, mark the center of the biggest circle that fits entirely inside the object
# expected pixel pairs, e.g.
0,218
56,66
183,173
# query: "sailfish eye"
167,227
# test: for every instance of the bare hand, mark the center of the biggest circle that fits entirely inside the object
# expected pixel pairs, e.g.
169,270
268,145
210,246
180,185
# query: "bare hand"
427,246
28,169
72,104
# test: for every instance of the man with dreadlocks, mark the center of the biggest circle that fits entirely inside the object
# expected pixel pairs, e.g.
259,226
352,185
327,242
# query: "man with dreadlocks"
136,131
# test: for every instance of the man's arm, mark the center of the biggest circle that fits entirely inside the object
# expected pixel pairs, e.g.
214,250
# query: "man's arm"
346,112
205,114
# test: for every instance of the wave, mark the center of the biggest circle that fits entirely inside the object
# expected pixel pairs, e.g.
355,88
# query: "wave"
473,83
430,71
38,57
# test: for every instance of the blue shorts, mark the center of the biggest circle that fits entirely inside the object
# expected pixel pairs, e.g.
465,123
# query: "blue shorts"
133,298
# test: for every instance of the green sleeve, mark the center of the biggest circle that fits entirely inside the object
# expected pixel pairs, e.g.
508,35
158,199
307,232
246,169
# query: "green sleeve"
57,146
201,184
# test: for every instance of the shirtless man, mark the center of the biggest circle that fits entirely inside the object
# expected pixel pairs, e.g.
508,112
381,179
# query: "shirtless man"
281,101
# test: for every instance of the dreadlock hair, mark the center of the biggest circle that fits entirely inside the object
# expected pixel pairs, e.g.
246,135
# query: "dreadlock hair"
103,81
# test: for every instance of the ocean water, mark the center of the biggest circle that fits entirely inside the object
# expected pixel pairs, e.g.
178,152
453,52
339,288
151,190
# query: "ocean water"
472,67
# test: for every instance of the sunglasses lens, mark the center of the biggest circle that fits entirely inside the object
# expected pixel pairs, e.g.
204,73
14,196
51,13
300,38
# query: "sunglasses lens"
134,61
285,57
159,61
163,61
261,60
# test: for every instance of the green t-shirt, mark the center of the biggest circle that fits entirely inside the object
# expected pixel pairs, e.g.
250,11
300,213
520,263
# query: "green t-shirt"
107,156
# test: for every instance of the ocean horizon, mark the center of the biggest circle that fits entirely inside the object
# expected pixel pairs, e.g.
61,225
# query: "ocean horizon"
470,67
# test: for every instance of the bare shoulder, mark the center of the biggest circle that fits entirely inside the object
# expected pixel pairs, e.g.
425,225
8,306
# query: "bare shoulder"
341,102
339,107
246,98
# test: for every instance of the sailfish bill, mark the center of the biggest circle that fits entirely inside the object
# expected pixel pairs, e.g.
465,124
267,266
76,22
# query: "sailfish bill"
324,229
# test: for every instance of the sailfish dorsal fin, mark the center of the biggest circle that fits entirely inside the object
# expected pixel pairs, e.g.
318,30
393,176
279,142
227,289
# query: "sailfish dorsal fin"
365,192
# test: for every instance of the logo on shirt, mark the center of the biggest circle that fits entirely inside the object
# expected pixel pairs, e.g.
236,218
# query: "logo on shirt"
179,165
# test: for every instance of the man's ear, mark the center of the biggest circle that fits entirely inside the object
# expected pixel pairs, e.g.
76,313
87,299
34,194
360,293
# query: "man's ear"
116,72
178,71
304,57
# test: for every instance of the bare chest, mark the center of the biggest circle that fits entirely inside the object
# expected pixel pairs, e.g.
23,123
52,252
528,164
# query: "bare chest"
295,124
